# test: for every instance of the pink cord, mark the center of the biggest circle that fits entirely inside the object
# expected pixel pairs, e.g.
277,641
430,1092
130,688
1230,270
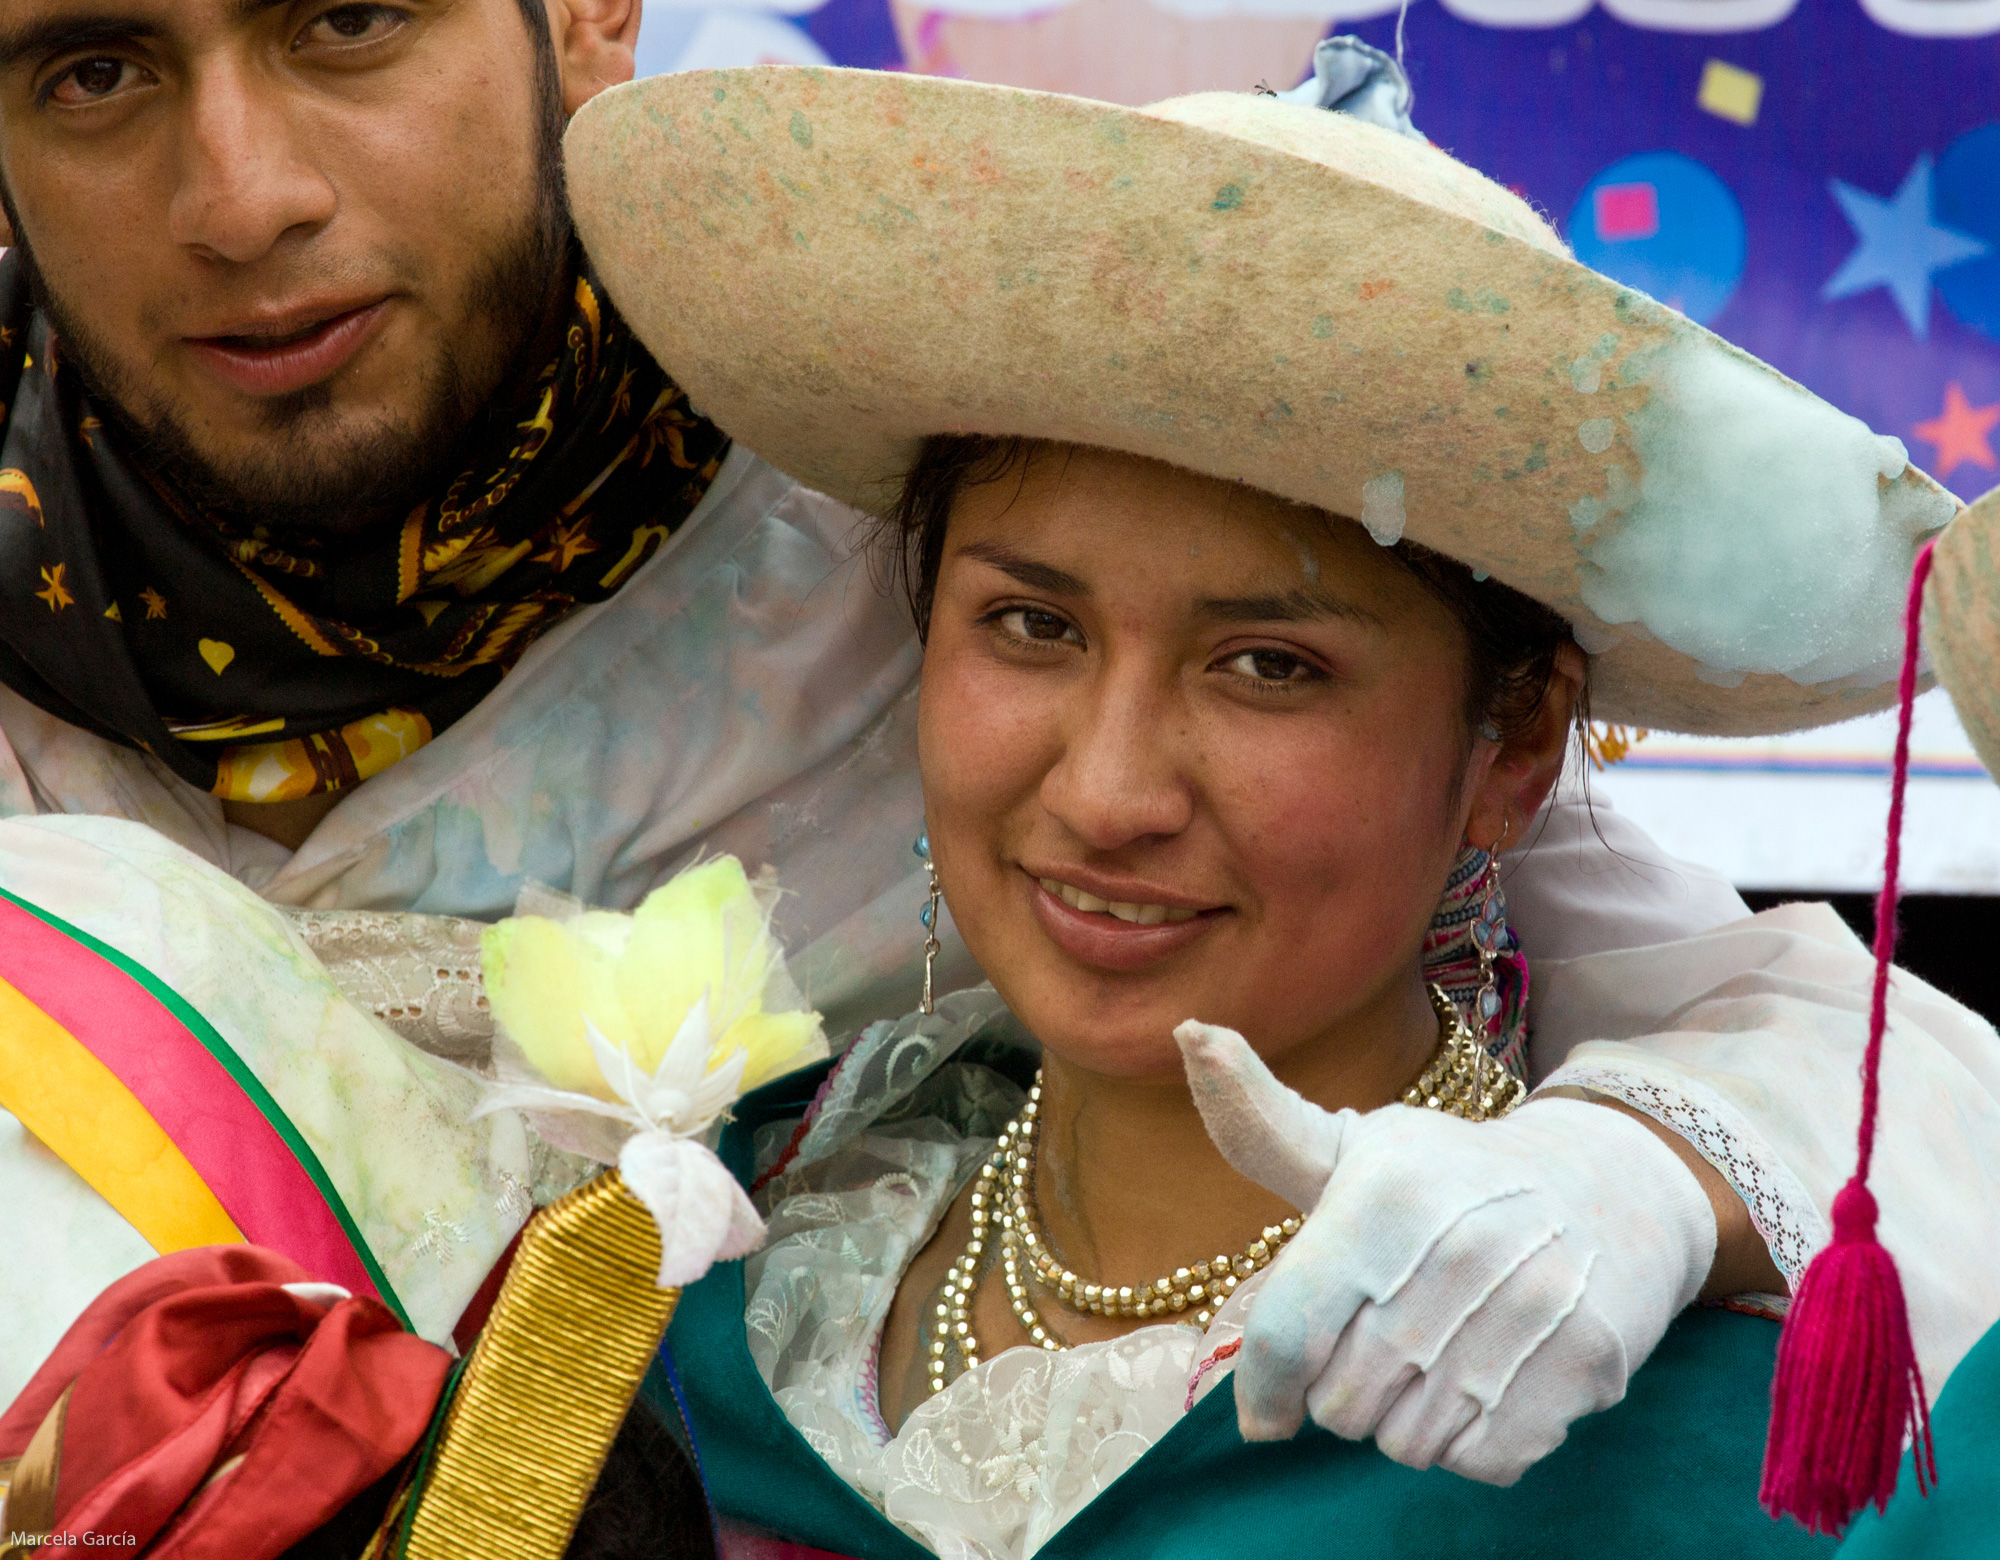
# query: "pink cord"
1892,864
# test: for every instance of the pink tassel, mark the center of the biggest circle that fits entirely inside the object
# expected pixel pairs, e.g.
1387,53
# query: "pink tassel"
1847,1390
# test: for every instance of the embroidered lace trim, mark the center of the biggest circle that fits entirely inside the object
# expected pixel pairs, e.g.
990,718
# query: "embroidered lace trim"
1008,1453
1780,1207
419,974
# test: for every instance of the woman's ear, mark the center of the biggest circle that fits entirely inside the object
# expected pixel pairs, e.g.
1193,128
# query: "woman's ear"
596,43
1529,763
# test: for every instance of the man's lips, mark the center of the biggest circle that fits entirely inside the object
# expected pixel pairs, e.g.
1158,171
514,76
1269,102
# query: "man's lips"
266,363
1107,942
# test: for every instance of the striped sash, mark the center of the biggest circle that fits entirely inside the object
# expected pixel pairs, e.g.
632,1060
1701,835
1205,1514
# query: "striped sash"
135,1091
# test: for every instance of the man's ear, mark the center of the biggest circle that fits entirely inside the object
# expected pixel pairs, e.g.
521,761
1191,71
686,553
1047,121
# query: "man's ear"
595,44
1528,765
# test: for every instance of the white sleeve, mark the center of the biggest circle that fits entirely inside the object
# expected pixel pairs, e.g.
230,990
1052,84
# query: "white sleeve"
1588,879
1747,1041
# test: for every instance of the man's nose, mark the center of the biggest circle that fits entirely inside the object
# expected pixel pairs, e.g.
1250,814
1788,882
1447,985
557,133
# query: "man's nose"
245,177
1122,776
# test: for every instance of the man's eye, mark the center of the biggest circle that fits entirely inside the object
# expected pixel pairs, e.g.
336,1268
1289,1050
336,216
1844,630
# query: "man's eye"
1032,623
91,81
353,24
1272,666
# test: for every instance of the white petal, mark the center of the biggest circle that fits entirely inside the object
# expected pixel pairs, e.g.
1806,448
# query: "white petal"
620,1072
686,1056
716,1093
703,1215
683,1072
540,1097
746,1229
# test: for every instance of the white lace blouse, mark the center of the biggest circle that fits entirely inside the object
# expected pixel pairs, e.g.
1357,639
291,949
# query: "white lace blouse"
993,1466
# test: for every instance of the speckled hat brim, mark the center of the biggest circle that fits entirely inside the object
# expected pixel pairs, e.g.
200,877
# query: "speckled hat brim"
836,264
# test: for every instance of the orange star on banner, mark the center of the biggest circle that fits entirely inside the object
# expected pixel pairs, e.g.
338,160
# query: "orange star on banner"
1959,432
57,595
156,604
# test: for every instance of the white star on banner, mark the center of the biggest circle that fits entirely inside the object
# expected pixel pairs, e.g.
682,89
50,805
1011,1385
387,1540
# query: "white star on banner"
1901,246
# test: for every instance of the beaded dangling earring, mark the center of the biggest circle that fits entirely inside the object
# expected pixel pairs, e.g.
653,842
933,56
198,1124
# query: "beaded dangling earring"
1488,931
1463,1078
929,917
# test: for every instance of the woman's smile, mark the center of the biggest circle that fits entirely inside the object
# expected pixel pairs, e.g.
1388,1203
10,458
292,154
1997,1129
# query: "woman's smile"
1126,933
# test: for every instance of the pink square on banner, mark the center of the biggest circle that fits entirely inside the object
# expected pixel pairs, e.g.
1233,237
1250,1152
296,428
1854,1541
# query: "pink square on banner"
1626,211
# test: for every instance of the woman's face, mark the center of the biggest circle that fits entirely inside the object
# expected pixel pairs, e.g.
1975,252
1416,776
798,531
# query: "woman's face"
1188,752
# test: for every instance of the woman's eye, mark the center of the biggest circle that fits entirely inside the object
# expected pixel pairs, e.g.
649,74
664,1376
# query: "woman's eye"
91,81
1041,626
354,24
1272,666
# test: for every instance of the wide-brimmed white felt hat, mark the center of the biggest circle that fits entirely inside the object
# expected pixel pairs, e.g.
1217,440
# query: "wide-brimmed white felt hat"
836,264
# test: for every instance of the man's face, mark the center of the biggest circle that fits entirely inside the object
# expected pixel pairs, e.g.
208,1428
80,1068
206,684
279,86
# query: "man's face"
294,244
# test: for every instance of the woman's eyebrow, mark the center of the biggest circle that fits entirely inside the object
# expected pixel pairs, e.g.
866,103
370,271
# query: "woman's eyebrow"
1036,576
1304,605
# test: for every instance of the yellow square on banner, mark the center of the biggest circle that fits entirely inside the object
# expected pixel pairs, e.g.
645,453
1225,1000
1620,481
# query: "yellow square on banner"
1729,92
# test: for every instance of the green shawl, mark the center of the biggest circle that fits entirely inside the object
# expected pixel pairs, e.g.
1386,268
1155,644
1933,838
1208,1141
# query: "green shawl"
1670,1472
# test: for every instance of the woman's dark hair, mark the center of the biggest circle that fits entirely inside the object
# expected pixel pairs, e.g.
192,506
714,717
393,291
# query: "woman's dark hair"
1512,641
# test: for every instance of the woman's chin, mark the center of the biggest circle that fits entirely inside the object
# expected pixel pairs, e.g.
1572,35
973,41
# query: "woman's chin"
1145,1055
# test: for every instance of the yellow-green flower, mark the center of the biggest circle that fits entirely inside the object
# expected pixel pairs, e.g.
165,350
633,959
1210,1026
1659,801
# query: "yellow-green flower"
706,933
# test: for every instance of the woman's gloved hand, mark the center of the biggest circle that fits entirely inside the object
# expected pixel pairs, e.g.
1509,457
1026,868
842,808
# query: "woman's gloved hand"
1461,1291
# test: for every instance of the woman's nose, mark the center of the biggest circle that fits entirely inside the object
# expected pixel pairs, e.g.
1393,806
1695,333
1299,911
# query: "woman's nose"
1122,775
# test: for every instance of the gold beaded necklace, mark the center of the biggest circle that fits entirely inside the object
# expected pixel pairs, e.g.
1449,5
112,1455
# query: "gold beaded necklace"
1460,1079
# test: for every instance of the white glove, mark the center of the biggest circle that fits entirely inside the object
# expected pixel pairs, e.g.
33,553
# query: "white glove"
1461,1291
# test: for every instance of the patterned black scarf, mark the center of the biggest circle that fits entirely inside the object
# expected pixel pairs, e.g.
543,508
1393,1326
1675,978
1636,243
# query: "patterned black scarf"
263,672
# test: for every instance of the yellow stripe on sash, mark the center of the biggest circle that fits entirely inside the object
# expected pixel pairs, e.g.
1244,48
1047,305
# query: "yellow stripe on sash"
92,1122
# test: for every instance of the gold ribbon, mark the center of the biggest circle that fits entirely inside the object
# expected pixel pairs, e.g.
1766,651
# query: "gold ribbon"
577,1323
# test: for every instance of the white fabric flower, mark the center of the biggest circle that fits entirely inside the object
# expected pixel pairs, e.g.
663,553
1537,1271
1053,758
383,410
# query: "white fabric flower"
702,939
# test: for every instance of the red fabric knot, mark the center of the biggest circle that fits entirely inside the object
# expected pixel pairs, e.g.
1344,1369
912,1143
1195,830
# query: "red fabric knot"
214,1414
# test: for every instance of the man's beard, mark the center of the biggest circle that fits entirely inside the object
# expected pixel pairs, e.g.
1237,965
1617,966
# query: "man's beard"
343,486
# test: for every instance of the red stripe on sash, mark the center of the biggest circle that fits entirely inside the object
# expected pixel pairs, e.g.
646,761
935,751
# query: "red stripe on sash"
183,1086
